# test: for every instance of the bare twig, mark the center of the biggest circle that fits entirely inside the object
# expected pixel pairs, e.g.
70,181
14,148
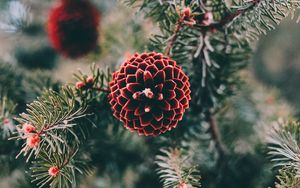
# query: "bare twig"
185,14
101,89
215,134
232,16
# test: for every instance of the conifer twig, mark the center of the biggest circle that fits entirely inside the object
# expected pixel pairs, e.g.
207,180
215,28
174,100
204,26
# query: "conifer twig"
215,134
232,16
101,89
174,37
186,13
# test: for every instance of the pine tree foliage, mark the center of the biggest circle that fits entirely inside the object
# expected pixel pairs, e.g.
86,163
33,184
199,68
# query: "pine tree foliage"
50,114
16,18
22,87
7,108
58,125
203,51
61,121
8,149
211,47
284,151
213,54
256,17
70,166
175,170
287,178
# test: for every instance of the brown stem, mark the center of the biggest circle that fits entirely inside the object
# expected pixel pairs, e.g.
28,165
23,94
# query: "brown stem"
232,16
101,89
174,37
66,162
214,129
215,134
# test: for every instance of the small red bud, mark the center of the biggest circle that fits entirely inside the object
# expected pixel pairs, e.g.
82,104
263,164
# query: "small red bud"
53,171
90,79
191,22
183,185
79,85
136,95
208,19
187,12
6,121
33,141
28,128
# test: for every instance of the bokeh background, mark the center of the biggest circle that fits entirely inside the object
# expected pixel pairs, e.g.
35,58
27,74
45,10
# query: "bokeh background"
273,74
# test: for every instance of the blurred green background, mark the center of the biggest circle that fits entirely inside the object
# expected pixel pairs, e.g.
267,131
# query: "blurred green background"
273,73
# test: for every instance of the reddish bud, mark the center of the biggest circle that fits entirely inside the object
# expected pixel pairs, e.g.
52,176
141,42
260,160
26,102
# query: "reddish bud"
183,185
6,121
79,85
270,100
187,12
208,19
33,141
191,22
90,79
53,171
28,128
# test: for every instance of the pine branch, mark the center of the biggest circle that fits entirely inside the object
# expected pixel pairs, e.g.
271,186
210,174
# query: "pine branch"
233,15
48,116
57,170
23,87
253,18
212,59
7,108
185,18
284,149
175,170
16,22
287,179
55,125
216,136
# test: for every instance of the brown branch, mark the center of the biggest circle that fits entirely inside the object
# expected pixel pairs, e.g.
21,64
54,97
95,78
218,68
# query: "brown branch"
214,129
70,156
215,134
174,37
187,18
232,16
101,89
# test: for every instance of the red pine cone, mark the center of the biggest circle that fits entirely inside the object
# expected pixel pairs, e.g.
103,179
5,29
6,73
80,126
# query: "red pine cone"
149,93
73,27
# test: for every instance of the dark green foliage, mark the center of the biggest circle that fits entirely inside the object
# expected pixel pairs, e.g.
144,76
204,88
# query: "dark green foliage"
42,58
22,87
210,60
77,131
284,152
33,30
287,178
175,169
66,111
217,78
258,17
